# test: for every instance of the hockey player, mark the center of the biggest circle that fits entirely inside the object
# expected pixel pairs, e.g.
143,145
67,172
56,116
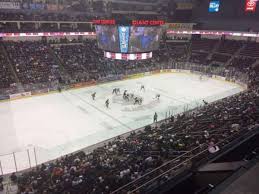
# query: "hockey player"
136,100
107,103
140,101
158,96
93,95
201,77
142,88
116,91
124,93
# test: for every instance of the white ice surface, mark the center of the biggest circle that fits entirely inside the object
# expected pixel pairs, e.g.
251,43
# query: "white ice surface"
60,123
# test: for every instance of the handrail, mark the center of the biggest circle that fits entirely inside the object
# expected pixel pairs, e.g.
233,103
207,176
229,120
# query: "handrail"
175,159
187,160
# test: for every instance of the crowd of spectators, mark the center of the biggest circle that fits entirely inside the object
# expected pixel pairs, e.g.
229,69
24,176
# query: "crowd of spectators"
229,46
242,63
82,60
199,57
32,62
220,58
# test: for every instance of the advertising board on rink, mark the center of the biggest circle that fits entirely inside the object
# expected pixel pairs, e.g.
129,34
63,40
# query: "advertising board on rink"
20,95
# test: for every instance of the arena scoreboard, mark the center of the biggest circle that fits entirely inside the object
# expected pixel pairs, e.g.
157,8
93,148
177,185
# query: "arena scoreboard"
130,40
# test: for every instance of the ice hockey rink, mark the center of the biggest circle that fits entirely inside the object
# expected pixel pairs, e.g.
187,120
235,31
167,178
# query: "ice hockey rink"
45,127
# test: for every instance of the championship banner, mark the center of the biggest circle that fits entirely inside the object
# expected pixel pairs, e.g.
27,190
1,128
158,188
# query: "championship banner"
124,38
250,5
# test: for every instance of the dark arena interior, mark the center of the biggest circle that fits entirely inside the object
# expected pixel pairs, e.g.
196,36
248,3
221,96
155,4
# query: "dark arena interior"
129,97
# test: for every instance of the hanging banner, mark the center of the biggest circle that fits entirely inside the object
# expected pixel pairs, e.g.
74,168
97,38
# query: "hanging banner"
124,38
250,5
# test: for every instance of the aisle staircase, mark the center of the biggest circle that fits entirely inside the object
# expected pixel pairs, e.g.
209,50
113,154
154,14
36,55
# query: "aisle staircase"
3,50
63,73
215,48
235,54
255,65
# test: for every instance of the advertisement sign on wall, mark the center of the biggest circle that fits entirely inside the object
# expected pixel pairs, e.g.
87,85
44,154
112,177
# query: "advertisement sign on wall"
214,6
250,5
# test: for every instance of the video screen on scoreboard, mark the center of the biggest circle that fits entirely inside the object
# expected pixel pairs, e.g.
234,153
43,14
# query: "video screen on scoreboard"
214,6
107,38
143,39
128,39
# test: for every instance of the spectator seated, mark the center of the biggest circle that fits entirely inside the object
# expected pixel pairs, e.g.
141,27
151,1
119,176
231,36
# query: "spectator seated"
242,63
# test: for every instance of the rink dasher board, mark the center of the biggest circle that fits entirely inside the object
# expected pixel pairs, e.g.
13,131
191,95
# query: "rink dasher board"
29,94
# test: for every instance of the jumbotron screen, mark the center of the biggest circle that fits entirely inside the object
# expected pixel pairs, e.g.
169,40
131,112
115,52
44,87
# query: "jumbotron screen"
128,39
107,38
